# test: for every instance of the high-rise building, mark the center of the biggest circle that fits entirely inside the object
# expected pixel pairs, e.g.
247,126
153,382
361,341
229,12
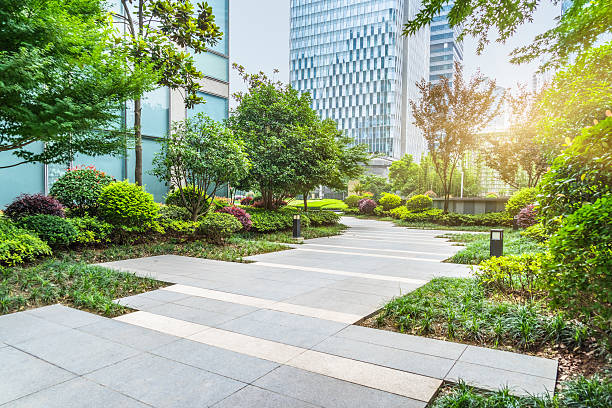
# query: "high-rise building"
444,47
351,57
160,108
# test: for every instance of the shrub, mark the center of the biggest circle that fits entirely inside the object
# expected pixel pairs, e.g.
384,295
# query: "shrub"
173,212
352,201
432,216
419,203
351,210
520,200
18,245
513,273
399,212
390,201
191,194
527,216
179,227
276,204
127,204
380,211
367,206
91,230
579,275
318,218
240,214
535,232
275,220
216,227
33,204
246,201
54,230
80,188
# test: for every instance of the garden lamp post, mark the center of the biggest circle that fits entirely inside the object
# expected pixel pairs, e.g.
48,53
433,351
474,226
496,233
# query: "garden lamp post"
296,226
496,244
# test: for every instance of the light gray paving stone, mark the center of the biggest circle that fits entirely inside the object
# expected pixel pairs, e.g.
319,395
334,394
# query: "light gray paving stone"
77,351
331,304
494,378
129,335
296,321
164,296
250,397
217,306
190,314
165,383
423,345
19,327
77,393
138,302
65,316
22,374
330,392
411,362
230,364
520,363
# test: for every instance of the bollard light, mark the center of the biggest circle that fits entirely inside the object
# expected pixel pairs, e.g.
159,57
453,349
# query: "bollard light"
515,223
296,226
496,244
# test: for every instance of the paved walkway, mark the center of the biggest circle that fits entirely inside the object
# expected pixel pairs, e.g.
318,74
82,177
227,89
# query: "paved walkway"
274,333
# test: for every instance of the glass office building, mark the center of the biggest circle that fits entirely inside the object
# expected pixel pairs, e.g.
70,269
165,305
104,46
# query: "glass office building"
444,48
159,109
360,71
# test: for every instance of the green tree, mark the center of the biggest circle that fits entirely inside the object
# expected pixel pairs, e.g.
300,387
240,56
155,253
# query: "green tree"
450,114
404,175
202,153
157,35
267,118
61,81
579,28
375,184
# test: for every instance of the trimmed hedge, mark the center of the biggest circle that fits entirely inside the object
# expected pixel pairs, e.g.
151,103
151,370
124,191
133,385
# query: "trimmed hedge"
55,231
419,203
390,201
437,216
276,220
91,230
127,204
18,245
318,218
240,214
217,227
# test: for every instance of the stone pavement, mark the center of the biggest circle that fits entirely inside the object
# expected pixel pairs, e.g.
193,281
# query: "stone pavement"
274,333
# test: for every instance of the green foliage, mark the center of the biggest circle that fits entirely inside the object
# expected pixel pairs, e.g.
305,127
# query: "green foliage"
535,232
579,274
202,154
217,227
319,218
18,245
91,230
404,175
170,212
126,204
520,274
521,199
79,189
380,211
174,197
375,185
178,228
581,174
59,84
478,249
352,201
326,203
55,231
419,203
390,201
275,220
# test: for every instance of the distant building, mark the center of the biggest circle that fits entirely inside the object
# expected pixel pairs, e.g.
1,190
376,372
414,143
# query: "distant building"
360,71
444,47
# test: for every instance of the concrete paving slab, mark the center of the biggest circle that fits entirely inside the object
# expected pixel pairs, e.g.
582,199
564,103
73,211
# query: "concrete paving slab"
65,315
251,396
520,363
190,314
164,324
18,327
139,302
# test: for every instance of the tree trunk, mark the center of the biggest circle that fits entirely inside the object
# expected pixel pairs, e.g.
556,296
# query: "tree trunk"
305,201
138,142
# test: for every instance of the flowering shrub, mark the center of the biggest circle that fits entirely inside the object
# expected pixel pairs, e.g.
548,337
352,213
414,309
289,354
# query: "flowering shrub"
527,216
520,200
419,203
390,201
80,188
240,214
367,206
246,201
33,204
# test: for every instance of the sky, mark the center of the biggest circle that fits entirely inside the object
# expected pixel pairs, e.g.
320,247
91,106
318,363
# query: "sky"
259,40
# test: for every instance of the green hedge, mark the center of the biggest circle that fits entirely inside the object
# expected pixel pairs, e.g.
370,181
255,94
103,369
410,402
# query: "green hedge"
55,231
18,245
437,216
275,220
318,218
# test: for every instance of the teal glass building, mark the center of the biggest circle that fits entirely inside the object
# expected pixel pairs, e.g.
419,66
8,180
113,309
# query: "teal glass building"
159,109
444,47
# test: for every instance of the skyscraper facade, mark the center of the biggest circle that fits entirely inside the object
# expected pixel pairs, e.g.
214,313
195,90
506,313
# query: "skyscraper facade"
360,71
444,48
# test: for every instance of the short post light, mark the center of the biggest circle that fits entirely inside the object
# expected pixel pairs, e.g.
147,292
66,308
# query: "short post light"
515,223
297,231
496,242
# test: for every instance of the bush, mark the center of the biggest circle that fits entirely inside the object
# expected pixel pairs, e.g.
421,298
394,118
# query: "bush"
399,212
352,201
240,214
520,200
367,206
275,220
419,203
91,230
18,245
513,273
216,227
380,211
127,204
33,204
178,227
432,216
527,216
54,230
579,275
246,201
351,210
261,204
80,188
390,201
319,218
173,212
191,193
535,232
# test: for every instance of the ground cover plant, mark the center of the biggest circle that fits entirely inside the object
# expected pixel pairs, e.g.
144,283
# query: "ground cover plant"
324,204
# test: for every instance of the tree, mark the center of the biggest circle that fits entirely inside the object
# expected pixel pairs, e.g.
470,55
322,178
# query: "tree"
449,114
204,155
61,81
268,119
578,28
516,155
157,32
375,184
404,175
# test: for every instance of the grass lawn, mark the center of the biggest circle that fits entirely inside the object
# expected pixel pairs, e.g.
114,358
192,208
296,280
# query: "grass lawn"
324,204
477,246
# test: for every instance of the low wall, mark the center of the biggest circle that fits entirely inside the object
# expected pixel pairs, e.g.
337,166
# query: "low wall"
474,205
